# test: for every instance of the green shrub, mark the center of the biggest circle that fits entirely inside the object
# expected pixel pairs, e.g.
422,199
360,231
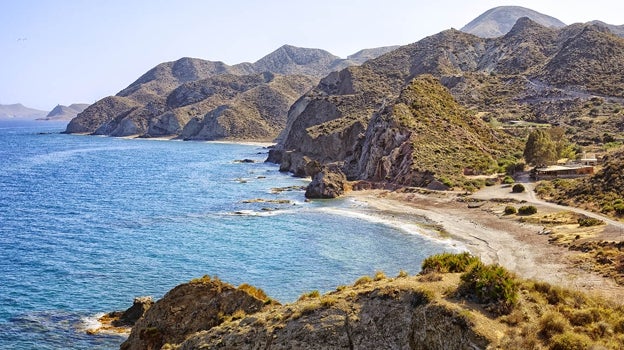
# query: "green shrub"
510,210
527,210
491,284
518,188
448,262
379,275
586,221
508,180
551,324
313,294
570,341
619,208
363,280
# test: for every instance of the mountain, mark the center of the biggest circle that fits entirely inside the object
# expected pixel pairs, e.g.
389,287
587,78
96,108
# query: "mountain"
499,21
197,99
566,76
61,112
19,111
615,29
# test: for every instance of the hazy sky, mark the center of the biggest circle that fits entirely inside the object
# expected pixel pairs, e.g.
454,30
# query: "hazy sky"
66,51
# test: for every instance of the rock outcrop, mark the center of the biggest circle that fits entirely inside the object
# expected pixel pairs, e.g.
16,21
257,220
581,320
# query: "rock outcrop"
190,308
327,182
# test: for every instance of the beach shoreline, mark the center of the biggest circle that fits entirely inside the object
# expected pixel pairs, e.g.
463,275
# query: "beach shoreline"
517,246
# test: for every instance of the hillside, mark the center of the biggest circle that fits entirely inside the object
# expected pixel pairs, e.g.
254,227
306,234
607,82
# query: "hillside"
520,76
498,21
19,111
217,99
425,136
457,302
61,112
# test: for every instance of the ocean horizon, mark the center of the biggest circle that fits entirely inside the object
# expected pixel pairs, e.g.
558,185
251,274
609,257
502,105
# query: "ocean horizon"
88,223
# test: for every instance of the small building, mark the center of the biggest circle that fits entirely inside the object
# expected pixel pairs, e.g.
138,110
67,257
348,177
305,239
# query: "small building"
563,171
589,159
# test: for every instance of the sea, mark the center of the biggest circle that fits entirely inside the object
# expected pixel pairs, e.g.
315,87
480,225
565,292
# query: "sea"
89,223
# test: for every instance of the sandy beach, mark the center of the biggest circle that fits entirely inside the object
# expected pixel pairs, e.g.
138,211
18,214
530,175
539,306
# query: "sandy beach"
482,230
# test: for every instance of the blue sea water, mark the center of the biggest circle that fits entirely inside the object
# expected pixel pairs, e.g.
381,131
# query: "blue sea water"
88,223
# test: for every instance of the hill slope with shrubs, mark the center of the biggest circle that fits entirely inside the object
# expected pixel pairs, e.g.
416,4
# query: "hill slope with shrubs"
456,301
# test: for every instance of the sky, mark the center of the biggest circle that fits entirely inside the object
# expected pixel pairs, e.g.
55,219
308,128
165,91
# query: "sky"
79,51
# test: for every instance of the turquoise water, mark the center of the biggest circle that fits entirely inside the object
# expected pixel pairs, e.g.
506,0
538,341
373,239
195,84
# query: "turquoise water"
88,223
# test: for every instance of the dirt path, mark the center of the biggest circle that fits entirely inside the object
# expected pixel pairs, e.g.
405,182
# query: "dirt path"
504,191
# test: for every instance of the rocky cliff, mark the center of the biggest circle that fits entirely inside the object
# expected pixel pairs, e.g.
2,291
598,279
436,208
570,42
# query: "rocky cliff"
456,303
191,308
217,101
519,76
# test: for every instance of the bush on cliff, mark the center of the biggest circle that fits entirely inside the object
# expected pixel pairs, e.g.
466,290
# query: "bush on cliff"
448,263
492,285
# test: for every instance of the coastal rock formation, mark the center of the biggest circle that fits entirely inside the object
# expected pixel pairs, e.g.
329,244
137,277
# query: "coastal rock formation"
425,135
190,308
327,182
519,76
196,99
129,317
498,21
457,302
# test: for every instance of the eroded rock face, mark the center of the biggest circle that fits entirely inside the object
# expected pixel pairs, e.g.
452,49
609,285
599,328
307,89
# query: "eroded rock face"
189,308
391,317
327,182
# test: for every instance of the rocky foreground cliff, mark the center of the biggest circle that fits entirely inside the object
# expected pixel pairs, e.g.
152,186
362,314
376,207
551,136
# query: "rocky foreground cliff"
456,303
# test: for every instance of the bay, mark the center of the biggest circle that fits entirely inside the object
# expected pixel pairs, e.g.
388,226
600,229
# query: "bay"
88,223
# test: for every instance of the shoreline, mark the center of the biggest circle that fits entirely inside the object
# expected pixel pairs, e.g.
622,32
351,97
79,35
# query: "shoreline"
517,246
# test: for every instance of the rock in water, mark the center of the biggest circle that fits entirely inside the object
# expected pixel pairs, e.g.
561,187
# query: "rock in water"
135,312
328,182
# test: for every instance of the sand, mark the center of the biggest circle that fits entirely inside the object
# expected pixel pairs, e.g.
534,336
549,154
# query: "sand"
484,232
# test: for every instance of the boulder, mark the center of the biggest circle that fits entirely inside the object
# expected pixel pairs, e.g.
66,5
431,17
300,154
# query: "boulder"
135,312
328,182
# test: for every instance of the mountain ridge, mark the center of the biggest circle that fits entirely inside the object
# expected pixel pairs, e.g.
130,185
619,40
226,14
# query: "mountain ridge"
514,77
143,108
19,111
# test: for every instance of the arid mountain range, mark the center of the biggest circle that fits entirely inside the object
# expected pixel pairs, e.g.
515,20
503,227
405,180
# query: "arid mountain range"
18,111
566,76
558,75
197,99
